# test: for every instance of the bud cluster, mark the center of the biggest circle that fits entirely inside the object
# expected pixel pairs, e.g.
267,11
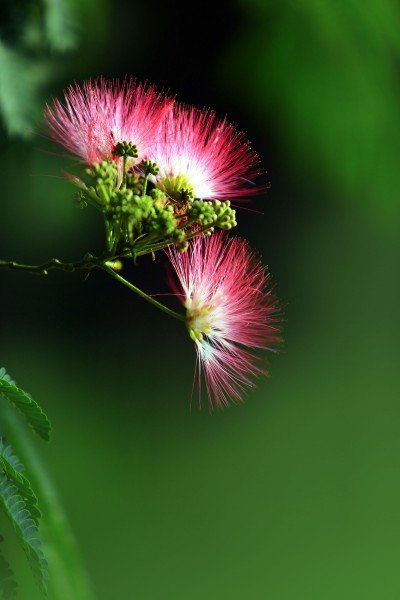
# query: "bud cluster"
101,180
213,214
141,215
126,149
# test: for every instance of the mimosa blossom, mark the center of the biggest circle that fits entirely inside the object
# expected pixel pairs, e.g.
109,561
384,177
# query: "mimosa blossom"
230,312
101,113
205,155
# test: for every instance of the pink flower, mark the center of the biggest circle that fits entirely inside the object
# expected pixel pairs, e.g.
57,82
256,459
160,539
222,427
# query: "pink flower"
101,113
205,155
230,311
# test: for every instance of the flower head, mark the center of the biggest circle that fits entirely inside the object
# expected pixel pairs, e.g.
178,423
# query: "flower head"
230,311
101,114
204,155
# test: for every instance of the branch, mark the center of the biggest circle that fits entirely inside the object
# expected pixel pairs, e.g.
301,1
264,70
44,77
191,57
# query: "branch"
87,262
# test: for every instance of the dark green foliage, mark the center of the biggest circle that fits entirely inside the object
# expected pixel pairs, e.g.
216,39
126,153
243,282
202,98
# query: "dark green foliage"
18,95
25,405
8,585
59,25
326,76
31,35
19,503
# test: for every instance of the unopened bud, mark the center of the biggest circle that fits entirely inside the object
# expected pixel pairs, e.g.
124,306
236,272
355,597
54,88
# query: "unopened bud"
116,265
126,149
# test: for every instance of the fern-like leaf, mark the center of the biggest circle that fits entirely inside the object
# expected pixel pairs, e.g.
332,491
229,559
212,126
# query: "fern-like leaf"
23,402
11,468
26,529
20,505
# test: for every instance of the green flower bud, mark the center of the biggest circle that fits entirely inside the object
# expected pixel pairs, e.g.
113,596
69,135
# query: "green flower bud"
202,212
102,178
162,220
126,149
148,167
225,215
158,195
134,182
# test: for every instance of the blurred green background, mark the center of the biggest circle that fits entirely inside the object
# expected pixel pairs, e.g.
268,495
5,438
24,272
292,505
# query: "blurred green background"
296,493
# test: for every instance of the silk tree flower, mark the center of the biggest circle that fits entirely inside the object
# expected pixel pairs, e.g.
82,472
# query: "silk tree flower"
230,312
203,155
102,113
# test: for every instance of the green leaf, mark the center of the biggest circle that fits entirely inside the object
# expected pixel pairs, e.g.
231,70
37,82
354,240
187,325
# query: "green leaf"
26,529
12,469
8,585
19,503
25,405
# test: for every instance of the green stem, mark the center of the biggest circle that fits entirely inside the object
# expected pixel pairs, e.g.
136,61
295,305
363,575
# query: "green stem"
87,262
91,262
104,193
67,576
129,285
115,239
147,249
108,230
146,177
124,160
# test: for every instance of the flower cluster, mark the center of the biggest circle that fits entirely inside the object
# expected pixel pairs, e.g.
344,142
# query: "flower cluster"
163,174
195,152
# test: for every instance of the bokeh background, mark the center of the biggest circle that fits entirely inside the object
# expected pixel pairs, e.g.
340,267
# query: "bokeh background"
296,493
